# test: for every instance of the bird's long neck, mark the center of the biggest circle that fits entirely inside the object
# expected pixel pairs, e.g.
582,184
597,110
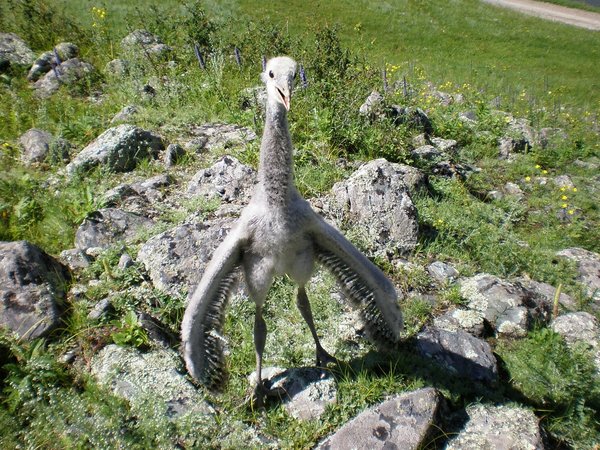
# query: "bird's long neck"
275,170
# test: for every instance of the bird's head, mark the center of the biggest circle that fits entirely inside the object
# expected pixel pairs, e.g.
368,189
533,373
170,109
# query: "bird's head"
279,79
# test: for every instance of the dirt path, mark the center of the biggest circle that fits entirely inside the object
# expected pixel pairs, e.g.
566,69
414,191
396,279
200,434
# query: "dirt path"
571,16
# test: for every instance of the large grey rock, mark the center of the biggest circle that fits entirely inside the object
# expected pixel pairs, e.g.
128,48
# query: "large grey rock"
254,98
32,289
227,179
43,64
460,353
175,259
372,105
67,73
140,42
39,145
407,421
14,52
509,308
108,226
119,149
588,265
218,135
580,327
499,428
305,392
152,382
125,114
376,200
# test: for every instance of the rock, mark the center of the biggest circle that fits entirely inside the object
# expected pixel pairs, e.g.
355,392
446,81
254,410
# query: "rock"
125,262
426,153
39,145
14,52
459,353
108,226
413,117
151,188
117,68
43,65
588,266
227,179
499,428
140,42
218,135
407,421
547,292
100,309
461,319
305,391
508,308
376,198
119,149
74,259
175,259
32,289
150,382
518,138
67,73
127,113
445,145
564,181
372,105
513,190
442,273
468,117
173,155
580,328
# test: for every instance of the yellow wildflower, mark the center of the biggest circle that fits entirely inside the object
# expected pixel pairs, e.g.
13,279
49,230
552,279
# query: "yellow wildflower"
564,205
537,166
563,189
544,172
528,179
564,197
571,211
574,189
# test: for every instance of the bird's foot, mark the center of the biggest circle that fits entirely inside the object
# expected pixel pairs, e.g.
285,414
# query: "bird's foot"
256,398
324,358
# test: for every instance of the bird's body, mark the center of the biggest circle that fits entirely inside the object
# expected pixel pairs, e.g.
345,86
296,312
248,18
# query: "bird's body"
278,233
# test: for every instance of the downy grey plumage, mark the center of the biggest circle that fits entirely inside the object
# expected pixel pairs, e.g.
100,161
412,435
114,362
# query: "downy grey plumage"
278,233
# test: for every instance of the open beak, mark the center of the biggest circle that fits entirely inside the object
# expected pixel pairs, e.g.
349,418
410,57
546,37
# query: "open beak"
284,94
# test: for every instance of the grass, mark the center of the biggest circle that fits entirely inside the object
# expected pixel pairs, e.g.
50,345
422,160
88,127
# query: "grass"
467,48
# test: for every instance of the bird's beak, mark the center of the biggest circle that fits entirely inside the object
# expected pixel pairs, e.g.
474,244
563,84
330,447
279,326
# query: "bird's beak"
285,94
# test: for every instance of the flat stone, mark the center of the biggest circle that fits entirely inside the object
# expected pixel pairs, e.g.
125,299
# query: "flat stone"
39,146
460,353
218,135
406,421
442,273
499,428
74,259
43,64
67,73
151,381
461,319
108,226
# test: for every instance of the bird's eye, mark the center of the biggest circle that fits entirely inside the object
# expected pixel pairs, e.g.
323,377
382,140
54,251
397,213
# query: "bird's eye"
271,74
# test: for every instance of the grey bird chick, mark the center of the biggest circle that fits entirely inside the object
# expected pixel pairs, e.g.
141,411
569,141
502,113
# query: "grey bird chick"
279,234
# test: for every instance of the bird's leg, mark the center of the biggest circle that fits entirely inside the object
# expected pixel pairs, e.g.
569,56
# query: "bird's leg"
323,358
260,338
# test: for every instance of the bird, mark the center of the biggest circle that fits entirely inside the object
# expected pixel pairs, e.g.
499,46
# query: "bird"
277,234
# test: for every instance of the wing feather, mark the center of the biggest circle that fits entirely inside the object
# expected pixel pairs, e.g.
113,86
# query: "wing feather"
202,325
363,283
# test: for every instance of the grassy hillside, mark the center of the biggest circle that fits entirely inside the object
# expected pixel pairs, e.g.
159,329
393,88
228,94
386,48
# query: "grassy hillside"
498,65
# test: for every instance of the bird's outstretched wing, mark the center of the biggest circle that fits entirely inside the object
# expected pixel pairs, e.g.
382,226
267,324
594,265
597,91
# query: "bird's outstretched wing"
202,325
362,282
